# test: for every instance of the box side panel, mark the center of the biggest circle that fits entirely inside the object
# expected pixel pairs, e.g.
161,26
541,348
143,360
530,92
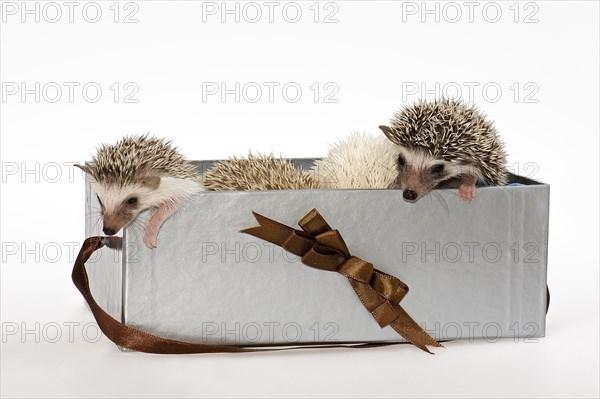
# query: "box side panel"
206,282
535,261
104,267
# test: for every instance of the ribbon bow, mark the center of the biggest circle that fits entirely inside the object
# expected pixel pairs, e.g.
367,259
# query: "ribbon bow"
323,248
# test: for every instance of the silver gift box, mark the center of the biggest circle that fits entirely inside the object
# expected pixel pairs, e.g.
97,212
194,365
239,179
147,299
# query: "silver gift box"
474,270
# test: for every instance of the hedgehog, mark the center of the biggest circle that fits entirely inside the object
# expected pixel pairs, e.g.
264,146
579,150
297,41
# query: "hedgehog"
359,161
257,172
140,173
442,140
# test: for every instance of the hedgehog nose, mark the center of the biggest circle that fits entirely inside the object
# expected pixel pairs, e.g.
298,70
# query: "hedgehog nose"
409,195
108,231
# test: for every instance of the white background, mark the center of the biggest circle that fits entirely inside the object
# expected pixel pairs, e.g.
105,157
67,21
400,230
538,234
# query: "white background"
540,70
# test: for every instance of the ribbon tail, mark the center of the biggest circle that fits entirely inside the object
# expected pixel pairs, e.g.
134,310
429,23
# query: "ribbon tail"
392,315
268,230
409,329
290,239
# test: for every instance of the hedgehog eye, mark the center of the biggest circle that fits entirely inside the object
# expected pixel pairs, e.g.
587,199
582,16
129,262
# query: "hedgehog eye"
99,201
437,168
132,201
401,160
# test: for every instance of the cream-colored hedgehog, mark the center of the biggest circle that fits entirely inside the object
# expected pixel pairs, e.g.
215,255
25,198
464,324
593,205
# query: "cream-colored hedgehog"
358,161
140,173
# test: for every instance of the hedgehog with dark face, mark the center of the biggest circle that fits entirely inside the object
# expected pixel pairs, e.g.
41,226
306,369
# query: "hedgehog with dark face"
442,140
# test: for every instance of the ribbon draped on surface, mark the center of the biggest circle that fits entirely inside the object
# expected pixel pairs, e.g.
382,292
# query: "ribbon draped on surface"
131,338
321,247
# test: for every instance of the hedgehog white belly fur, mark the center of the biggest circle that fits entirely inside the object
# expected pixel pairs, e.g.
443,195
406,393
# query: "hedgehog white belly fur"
140,173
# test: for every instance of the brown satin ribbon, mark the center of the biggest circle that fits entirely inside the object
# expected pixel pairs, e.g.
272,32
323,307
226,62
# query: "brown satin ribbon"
141,341
137,340
321,247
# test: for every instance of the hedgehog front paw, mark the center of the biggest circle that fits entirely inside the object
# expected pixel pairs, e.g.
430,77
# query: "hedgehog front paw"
466,192
150,237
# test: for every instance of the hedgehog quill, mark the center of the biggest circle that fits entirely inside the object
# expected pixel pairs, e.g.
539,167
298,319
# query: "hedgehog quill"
257,172
443,140
140,173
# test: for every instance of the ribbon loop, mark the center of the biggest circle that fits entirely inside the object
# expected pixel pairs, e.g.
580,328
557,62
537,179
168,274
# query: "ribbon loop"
390,287
357,269
333,239
323,248
313,223
296,243
322,258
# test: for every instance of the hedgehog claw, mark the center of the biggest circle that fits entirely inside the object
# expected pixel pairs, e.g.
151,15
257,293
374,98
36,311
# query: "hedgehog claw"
466,192
150,238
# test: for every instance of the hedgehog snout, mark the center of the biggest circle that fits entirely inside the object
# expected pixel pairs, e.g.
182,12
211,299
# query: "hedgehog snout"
410,195
114,221
108,231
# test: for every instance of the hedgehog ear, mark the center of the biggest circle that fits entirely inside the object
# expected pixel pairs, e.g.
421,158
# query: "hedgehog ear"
150,181
86,169
388,133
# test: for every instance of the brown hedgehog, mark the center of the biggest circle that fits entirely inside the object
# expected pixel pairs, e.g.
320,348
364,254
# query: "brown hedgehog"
442,140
